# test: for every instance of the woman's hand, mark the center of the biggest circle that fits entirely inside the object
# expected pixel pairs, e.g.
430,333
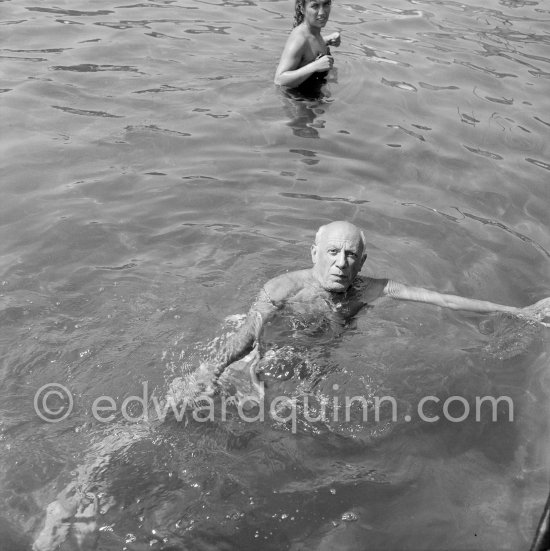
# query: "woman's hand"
333,39
323,63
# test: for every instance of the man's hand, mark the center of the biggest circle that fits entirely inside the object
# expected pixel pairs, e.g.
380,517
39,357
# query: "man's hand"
205,379
242,379
540,312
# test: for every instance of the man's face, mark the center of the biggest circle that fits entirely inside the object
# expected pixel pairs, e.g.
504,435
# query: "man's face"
337,258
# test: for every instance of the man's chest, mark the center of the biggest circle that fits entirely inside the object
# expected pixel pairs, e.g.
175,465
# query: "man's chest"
309,302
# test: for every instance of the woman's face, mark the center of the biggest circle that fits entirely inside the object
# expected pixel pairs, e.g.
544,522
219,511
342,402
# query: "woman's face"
316,12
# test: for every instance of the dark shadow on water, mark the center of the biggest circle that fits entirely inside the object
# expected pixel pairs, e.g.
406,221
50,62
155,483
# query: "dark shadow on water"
12,539
304,104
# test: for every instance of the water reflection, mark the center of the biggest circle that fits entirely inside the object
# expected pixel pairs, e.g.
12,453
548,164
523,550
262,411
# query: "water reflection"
304,104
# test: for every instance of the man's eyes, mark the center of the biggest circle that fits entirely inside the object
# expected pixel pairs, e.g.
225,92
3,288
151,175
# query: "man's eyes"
348,253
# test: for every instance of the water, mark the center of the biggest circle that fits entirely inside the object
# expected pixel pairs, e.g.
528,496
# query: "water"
154,178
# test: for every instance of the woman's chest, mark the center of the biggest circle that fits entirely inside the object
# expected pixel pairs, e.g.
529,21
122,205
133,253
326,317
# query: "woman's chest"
314,48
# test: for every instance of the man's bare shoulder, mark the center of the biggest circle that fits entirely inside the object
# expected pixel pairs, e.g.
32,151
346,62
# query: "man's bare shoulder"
373,288
284,286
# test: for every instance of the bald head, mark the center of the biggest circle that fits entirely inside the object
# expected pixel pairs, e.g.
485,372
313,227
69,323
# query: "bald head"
342,228
338,255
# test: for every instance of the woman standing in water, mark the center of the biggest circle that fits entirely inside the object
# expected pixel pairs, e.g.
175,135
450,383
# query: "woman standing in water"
306,54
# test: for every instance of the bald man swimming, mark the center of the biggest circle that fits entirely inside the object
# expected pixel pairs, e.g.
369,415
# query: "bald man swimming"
332,289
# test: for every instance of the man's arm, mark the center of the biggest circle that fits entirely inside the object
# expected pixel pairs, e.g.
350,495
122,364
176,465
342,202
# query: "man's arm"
401,291
537,312
241,343
271,298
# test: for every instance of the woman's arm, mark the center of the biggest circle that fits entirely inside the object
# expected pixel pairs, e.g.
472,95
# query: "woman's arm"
289,73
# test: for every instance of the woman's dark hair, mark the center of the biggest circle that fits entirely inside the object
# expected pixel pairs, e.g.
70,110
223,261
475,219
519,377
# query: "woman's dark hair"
299,12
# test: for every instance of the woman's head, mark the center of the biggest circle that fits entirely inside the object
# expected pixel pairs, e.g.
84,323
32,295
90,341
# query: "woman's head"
299,9
319,11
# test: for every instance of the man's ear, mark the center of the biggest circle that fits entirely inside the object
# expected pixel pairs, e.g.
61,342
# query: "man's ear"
314,253
363,258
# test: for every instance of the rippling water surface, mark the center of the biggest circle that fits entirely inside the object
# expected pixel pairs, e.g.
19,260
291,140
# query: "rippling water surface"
153,178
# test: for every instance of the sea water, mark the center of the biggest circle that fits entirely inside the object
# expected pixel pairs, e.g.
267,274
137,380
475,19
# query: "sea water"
153,178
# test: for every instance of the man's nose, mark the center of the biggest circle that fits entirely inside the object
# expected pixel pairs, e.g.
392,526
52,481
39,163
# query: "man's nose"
341,259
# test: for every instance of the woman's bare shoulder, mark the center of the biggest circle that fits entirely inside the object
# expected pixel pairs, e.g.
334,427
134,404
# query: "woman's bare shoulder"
297,39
